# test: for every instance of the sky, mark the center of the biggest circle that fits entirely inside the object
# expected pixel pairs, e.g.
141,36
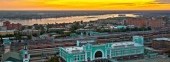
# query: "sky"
84,4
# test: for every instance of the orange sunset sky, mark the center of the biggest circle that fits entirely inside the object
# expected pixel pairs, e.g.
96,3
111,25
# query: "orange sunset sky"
84,4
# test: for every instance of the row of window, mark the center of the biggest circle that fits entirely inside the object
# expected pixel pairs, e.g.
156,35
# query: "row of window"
63,53
125,52
79,57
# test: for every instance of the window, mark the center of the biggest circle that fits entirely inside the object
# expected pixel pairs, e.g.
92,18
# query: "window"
76,58
82,57
26,56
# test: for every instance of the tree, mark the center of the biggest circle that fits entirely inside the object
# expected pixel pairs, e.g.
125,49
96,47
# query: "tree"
1,41
168,52
35,35
23,27
29,27
54,59
74,27
149,28
18,36
29,37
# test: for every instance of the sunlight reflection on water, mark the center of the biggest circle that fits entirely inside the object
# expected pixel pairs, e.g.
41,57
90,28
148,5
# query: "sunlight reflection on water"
67,19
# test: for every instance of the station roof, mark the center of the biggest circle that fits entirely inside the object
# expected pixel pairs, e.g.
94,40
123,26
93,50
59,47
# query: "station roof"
77,49
74,49
124,44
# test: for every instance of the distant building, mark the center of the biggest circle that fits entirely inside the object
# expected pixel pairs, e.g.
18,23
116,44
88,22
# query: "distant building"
9,56
6,23
161,44
91,52
143,22
3,28
7,45
56,29
30,31
126,15
12,26
120,27
87,32
7,32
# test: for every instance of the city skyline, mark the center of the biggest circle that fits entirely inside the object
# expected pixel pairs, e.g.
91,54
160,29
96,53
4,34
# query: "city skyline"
84,5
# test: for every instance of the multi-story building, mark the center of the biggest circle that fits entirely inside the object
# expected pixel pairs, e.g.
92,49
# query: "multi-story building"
7,32
161,44
3,28
89,52
11,26
143,22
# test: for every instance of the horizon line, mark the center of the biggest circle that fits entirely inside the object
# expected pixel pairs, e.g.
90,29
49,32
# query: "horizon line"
84,10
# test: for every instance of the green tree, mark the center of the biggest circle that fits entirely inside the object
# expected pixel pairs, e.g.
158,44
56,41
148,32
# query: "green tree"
18,36
29,37
149,28
54,59
35,35
29,27
23,27
1,41
74,27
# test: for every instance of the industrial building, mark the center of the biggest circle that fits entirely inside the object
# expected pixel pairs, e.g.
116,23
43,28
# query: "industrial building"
90,52
161,44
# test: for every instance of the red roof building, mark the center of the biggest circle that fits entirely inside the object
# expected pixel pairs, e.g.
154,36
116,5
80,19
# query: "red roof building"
11,26
143,22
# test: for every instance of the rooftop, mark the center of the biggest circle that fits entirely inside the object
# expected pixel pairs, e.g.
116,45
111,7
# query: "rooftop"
124,44
74,49
8,31
162,39
11,56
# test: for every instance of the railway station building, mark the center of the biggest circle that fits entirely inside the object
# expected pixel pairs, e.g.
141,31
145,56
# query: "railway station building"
91,52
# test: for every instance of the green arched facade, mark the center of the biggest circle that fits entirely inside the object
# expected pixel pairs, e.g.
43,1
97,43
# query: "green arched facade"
109,50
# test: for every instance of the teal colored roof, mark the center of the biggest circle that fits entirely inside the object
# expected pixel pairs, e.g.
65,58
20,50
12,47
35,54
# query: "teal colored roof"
6,41
11,56
22,52
73,34
52,33
121,26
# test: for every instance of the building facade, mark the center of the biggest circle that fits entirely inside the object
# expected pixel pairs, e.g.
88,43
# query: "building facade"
12,26
7,32
14,56
91,52
143,22
161,44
